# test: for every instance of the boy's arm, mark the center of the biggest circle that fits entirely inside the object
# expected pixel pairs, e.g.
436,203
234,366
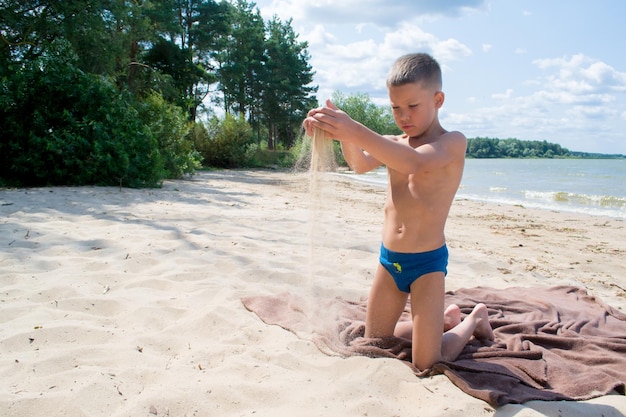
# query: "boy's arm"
401,157
359,160
384,149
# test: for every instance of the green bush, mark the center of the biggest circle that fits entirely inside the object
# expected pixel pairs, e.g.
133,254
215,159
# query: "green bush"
261,157
62,126
168,124
224,143
361,108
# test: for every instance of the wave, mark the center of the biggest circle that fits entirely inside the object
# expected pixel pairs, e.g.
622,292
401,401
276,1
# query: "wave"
616,209
607,201
498,189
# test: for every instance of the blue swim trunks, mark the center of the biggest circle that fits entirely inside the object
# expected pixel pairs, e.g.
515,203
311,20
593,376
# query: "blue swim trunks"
405,268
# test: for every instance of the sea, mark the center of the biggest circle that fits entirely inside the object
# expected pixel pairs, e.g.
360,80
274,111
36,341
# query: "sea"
591,186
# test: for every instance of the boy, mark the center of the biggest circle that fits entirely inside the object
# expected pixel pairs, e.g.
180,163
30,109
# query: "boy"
425,166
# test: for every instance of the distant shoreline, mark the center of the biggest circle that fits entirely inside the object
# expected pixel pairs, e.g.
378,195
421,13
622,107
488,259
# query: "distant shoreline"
486,148
585,156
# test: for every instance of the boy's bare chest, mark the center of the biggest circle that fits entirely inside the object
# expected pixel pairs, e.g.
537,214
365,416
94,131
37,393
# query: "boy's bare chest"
418,191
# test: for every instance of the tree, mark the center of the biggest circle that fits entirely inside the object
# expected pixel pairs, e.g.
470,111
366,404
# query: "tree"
28,28
287,91
514,148
71,103
361,108
139,59
241,62
186,48
62,126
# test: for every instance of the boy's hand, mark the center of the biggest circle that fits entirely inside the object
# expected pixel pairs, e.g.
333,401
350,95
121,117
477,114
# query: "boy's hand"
329,118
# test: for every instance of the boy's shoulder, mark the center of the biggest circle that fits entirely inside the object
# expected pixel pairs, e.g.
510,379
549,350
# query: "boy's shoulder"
454,138
454,135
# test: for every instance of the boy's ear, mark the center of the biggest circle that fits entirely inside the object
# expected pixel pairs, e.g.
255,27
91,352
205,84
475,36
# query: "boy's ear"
439,99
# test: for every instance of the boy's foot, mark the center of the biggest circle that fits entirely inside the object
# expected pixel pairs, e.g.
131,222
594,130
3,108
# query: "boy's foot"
451,317
483,329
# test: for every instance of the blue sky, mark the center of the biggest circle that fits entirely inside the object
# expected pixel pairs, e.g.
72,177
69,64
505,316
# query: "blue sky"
529,69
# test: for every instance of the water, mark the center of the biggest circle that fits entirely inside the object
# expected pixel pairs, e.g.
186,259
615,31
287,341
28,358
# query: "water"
592,186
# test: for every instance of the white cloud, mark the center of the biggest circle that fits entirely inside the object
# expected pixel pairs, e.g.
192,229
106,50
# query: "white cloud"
604,74
353,43
450,50
319,36
487,47
582,79
575,100
359,27
362,65
284,9
379,12
589,112
508,94
569,98
574,96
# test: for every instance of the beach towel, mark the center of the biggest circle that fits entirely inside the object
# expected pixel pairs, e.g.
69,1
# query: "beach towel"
557,343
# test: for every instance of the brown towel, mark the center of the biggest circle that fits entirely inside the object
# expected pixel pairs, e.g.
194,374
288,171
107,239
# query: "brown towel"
551,343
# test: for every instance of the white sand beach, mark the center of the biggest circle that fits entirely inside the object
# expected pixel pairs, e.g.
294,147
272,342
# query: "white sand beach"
122,302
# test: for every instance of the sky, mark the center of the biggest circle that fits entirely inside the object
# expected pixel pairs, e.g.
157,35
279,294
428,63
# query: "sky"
527,69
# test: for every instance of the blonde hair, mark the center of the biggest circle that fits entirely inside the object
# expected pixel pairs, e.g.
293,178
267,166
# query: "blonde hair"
415,68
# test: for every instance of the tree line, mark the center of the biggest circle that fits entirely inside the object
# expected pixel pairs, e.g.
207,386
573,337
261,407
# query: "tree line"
515,148
115,91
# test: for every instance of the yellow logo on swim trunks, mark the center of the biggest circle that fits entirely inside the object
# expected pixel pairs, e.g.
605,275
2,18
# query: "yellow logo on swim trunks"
398,266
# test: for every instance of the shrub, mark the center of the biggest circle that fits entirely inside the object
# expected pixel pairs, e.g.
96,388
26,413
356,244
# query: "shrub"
168,124
62,126
225,142
260,157
361,108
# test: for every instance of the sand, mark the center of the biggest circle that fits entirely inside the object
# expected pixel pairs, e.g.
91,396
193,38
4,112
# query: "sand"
121,302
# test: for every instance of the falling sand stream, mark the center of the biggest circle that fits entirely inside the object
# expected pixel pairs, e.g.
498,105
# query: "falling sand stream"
317,155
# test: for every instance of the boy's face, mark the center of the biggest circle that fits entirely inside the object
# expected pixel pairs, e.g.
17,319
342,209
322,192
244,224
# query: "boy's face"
414,107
